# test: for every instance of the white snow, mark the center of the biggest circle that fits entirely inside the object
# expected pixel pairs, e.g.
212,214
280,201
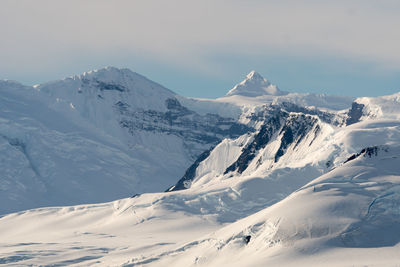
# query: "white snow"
61,142
255,85
312,207
345,217
256,90
384,106
353,209
321,101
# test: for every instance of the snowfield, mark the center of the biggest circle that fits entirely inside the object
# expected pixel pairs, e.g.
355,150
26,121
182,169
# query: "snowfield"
349,216
307,180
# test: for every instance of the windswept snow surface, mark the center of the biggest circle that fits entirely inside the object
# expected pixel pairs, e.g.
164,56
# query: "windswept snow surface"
326,195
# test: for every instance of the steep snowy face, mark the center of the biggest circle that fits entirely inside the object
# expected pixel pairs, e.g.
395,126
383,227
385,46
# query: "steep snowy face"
123,103
255,85
53,156
286,134
288,129
378,107
106,86
365,108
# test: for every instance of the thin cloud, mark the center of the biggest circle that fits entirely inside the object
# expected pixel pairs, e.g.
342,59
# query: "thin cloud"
43,34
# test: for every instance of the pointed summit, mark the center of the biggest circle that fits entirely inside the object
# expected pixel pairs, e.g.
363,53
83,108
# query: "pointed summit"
254,75
255,85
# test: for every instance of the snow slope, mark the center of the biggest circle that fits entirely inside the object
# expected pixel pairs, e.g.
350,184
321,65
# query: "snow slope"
334,203
99,136
347,217
380,107
48,159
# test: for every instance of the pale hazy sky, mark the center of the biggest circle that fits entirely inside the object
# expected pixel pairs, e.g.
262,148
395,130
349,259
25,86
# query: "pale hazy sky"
202,48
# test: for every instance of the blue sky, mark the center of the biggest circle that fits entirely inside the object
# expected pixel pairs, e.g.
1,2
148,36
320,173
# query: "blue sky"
203,48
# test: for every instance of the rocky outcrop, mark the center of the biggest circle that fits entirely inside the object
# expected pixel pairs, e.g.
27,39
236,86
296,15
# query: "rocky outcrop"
355,113
180,121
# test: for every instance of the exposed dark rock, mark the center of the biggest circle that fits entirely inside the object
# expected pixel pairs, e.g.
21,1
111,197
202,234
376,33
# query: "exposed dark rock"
182,122
328,164
322,115
261,139
287,120
317,130
21,146
123,107
295,129
355,113
290,107
354,156
109,87
368,151
292,128
190,173
286,141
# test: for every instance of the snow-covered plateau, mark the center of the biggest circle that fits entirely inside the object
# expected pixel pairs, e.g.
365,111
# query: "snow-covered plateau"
260,177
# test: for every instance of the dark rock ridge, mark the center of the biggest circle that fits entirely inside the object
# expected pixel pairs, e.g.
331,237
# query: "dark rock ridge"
368,151
180,121
103,86
282,119
290,128
110,87
295,129
355,113
268,110
190,173
287,121
261,139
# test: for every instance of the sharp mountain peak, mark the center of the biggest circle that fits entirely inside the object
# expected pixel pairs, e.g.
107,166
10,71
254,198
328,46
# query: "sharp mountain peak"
255,85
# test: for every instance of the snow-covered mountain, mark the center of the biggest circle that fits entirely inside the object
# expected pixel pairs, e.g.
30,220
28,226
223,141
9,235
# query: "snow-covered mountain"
255,85
346,216
111,133
99,136
287,179
255,90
